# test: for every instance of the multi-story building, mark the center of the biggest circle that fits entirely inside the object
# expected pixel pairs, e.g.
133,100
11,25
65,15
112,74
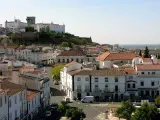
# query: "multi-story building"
15,25
73,55
35,80
3,103
106,60
17,103
46,56
50,26
33,103
141,81
103,84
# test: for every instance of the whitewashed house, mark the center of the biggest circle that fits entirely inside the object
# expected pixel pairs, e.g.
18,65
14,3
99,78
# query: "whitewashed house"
17,101
3,103
148,80
73,55
33,103
106,60
78,82
37,80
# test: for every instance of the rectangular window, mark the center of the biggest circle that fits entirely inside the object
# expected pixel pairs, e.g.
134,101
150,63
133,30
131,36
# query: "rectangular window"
96,79
153,73
15,99
0,102
20,97
128,85
33,103
148,73
116,88
142,72
5,99
142,83
116,79
29,106
10,103
106,86
134,85
152,83
106,79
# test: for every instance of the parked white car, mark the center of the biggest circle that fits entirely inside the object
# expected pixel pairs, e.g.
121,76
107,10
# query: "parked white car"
87,99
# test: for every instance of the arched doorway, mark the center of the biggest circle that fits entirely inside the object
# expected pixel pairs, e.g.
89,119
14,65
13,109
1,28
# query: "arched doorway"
79,96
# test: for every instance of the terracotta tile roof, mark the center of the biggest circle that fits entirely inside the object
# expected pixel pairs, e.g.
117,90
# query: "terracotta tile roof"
13,88
31,94
130,71
107,72
147,59
71,53
148,67
69,64
3,91
117,56
103,56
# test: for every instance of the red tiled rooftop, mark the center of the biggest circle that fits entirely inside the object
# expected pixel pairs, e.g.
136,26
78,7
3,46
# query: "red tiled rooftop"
31,95
131,71
69,64
147,60
148,67
117,56
12,87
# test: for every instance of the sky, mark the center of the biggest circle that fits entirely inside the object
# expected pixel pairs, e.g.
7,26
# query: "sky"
106,21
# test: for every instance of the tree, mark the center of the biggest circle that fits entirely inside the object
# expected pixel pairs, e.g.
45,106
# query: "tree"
29,29
56,72
146,53
125,110
146,112
75,114
140,53
63,107
64,44
157,101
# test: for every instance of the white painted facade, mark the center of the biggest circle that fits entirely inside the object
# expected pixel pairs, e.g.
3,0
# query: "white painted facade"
102,87
37,57
38,82
33,105
15,25
51,26
79,59
3,105
18,105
